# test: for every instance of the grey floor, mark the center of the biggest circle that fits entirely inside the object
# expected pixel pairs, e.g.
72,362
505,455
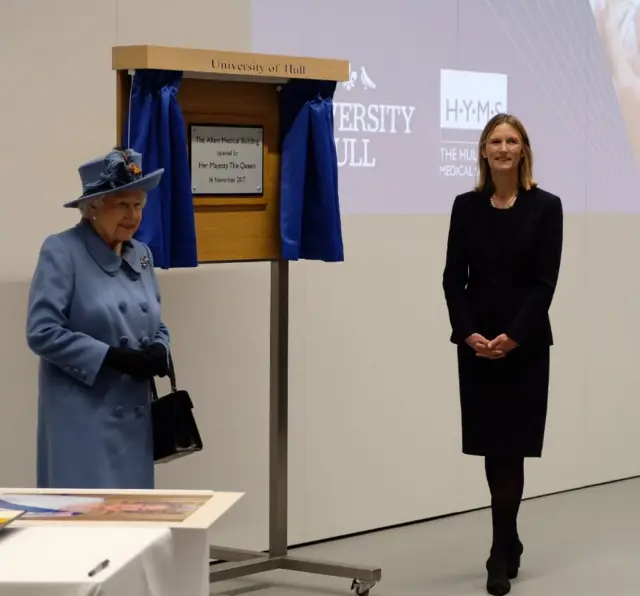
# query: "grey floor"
584,543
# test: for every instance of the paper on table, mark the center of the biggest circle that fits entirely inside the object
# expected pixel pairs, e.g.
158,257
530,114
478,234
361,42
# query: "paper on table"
9,515
46,503
105,507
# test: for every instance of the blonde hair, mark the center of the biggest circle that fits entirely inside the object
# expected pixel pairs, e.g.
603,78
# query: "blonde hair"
525,169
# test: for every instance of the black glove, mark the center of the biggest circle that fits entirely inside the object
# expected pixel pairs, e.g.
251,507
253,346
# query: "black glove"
158,354
131,362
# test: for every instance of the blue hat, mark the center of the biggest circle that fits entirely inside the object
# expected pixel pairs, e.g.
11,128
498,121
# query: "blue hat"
117,171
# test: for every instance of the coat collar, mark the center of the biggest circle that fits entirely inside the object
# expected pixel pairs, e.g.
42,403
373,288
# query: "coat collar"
522,202
133,253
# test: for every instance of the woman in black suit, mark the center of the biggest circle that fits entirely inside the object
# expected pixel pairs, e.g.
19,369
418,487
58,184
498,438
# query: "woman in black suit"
503,259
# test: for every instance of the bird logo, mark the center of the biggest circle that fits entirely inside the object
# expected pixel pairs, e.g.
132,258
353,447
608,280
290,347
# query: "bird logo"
362,76
366,81
351,83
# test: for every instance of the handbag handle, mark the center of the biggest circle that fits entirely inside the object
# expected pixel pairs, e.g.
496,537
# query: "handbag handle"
172,379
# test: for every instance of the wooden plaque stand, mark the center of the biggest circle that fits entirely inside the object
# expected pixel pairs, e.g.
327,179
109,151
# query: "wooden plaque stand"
241,89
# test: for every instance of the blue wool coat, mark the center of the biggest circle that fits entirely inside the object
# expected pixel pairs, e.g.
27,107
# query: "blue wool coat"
94,424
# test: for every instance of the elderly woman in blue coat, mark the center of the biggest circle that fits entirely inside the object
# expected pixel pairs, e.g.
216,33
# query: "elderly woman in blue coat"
94,320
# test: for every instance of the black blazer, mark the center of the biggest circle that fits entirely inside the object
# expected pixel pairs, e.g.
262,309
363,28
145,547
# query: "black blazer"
503,282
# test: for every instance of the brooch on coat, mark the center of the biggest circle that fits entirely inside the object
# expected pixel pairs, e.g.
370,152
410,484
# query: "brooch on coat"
144,261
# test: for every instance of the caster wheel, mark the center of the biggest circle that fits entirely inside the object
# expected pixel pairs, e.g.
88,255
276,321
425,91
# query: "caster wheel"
361,588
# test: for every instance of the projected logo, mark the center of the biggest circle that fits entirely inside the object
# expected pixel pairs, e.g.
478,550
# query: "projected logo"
359,121
467,101
359,77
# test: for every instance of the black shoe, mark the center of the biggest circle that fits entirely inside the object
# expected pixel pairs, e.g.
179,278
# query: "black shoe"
497,579
513,557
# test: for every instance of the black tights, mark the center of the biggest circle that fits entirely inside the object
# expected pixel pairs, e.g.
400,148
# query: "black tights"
505,476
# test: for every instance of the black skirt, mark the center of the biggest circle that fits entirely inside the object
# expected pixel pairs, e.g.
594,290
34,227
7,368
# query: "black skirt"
504,402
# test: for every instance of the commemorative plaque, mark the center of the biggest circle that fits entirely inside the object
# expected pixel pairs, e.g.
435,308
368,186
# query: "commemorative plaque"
227,160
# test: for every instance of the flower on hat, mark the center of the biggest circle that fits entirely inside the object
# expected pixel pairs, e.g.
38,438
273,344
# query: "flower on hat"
134,169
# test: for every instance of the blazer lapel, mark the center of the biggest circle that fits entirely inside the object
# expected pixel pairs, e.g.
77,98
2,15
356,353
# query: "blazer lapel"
521,218
483,225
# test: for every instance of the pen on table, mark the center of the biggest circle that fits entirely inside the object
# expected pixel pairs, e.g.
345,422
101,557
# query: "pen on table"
98,568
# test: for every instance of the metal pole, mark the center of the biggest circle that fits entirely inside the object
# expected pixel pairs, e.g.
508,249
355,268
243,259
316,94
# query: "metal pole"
278,408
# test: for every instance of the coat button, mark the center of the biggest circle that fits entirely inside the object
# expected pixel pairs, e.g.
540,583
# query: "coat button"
124,340
122,307
144,307
140,411
144,342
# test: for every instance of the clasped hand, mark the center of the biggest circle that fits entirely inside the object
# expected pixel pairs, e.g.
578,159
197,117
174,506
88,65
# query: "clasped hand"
140,364
493,349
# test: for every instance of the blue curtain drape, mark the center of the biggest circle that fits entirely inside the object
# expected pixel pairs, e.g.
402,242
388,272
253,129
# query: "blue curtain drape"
158,132
310,225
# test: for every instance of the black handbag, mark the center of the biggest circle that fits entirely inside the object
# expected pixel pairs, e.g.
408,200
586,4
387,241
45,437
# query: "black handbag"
175,432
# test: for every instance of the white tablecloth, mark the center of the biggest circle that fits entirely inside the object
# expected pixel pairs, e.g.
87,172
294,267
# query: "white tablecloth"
55,561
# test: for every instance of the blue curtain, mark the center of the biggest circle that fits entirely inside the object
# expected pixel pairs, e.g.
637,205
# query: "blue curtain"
158,132
310,225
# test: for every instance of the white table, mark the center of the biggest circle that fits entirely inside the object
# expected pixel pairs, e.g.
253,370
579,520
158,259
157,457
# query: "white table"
55,561
188,538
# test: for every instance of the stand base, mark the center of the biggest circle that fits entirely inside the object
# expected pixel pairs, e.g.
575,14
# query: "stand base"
240,563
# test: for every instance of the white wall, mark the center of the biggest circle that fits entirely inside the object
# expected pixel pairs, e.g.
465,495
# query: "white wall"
375,436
